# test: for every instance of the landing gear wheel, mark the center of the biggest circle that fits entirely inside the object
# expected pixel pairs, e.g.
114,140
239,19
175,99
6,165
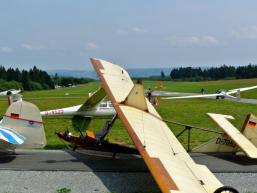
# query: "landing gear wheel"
226,189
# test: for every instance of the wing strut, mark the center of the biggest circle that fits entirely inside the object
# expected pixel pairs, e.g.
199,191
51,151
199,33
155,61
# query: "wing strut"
105,130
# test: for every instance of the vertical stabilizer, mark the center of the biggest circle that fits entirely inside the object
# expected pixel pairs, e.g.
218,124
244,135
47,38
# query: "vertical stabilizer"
14,98
136,98
249,128
25,119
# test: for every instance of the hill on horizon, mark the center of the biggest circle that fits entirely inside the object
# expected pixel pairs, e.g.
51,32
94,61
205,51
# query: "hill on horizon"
135,72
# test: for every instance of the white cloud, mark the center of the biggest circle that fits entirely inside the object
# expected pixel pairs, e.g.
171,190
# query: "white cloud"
138,29
6,49
246,33
206,40
91,45
131,30
31,47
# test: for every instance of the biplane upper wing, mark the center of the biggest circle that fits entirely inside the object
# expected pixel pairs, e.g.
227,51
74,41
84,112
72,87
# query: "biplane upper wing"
173,169
241,140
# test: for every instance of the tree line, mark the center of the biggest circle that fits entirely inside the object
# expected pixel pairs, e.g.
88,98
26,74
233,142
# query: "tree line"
34,79
66,81
214,73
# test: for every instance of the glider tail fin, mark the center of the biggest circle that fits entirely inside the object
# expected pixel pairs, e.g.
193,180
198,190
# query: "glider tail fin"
24,118
136,97
249,128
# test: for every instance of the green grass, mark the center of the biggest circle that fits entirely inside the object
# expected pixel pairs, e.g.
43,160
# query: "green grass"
63,190
191,111
209,86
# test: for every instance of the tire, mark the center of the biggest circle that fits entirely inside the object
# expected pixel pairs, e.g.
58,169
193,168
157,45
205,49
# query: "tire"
226,189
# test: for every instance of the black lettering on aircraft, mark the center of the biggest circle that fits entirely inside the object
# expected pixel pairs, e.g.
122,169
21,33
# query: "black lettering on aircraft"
226,142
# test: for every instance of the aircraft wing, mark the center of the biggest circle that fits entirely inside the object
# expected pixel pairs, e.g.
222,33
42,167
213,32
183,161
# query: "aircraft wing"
171,166
241,89
11,136
242,142
93,100
195,96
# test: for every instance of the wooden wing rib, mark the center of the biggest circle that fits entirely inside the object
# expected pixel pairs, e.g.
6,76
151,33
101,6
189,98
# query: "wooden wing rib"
244,144
169,163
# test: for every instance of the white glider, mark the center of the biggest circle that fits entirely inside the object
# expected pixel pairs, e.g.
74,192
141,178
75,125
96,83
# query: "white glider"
221,94
94,106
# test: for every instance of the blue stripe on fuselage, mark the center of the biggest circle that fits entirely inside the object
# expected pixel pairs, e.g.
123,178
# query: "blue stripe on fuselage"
10,138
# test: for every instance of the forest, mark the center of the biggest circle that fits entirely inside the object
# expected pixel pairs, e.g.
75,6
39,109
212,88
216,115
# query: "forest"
214,73
34,79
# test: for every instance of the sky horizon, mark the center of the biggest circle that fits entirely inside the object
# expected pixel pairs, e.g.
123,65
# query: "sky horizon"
64,34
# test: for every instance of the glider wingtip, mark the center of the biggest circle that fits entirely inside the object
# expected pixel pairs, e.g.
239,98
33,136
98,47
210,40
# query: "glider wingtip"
216,114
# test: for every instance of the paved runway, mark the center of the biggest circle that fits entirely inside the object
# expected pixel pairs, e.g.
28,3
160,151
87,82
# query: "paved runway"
92,161
90,171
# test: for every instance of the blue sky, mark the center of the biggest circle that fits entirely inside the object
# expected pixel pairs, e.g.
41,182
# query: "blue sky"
64,34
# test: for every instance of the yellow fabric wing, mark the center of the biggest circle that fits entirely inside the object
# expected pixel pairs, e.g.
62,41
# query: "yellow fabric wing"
173,169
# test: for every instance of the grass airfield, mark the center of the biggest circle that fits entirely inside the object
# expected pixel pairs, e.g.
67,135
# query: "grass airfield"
190,111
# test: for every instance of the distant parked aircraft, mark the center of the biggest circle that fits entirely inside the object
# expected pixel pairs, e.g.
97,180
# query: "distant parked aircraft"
9,92
220,94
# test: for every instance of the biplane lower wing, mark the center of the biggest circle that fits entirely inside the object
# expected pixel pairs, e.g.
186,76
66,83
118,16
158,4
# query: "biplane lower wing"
171,166
243,143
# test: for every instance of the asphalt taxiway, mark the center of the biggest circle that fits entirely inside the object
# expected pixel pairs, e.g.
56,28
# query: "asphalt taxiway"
98,161
90,171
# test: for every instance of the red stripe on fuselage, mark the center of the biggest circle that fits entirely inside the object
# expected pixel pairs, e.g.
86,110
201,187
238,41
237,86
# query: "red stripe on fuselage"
12,117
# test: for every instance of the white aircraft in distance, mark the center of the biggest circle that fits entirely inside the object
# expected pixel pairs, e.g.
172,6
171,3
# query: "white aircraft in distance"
22,127
220,94
93,107
9,92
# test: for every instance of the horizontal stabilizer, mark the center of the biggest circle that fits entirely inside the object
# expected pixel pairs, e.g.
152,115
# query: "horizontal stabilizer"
11,136
242,142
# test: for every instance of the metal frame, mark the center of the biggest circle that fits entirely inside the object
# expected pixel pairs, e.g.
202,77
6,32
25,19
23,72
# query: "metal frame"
188,128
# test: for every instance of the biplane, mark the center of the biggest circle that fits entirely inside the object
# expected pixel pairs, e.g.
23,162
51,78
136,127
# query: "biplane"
22,127
220,94
171,166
